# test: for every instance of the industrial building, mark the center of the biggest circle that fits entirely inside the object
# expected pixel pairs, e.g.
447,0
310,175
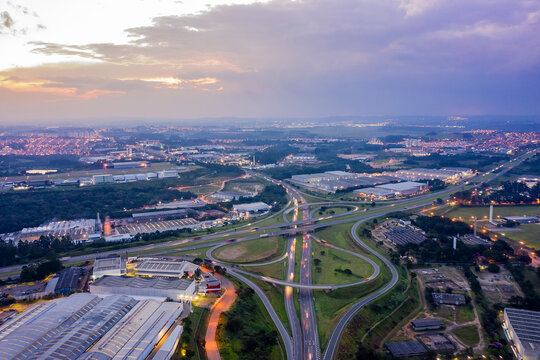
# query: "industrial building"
167,174
374,193
81,230
522,329
406,188
113,266
522,219
157,225
389,191
427,324
331,181
135,335
175,289
164,214
251,208
403,236
449,174
165,268
86,326
102,179
450,299
405,348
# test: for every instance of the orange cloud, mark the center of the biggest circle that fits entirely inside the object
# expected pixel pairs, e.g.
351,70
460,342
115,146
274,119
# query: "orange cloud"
48,87
177,83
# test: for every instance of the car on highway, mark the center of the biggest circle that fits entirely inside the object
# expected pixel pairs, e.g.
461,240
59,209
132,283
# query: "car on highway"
231,240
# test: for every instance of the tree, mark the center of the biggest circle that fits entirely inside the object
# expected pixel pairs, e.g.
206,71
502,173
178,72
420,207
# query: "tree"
197,273
317,262
493,268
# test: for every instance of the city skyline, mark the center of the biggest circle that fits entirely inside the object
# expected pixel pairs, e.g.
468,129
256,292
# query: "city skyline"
70,63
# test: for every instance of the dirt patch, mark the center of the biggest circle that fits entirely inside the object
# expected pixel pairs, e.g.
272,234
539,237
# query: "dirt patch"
231,253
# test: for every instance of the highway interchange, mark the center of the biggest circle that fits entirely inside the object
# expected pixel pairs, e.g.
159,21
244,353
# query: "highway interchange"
303,340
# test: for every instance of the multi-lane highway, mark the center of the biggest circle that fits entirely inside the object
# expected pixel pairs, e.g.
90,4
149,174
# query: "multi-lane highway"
303,342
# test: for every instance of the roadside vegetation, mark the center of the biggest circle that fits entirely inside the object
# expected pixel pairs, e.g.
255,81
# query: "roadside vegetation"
246,331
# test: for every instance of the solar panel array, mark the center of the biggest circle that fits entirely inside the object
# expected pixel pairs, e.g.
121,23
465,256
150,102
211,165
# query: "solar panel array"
404,236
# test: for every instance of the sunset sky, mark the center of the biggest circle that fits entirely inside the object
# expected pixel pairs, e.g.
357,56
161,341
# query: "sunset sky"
87,62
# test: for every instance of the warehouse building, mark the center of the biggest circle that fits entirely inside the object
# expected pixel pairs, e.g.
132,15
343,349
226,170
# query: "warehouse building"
427,324
136,334
86,326
522,329
405,348
374,193
165,268
162,288
406,188
102,179
114,266
449,174
251,208
449,299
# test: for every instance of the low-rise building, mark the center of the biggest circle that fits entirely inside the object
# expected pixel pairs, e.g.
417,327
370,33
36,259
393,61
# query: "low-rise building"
406,188
165,268
427,324
405,348
114,266
209,284
251,208
162,288
102,179
529,180
449,299
522,329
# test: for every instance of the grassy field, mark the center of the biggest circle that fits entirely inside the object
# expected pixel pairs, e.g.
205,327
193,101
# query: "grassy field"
332,260
465,314
275,270
528,233
334,210
196,253
276,296
466,212
263,249
467,334
331,304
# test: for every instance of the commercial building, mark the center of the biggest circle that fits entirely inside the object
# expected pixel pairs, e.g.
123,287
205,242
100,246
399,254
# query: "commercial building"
165,268
86,326
175,289
522,329
427,324
113,266
405,348
209,285
450,299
